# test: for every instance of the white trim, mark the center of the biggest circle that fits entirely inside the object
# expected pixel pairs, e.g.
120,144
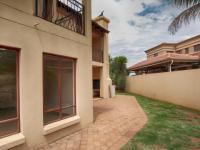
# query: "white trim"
97,98
53,127
97,64
12,141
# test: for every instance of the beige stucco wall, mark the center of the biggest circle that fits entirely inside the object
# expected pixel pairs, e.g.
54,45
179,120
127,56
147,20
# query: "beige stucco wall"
17,28
180,87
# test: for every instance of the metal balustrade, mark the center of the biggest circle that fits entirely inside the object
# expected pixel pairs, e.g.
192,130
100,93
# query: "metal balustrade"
69,14
97,55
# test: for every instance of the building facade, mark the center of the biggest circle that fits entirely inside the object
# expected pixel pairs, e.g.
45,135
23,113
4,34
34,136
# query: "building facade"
171,57
47,59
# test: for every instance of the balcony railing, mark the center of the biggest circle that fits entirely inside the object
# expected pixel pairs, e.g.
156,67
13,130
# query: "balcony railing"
69,14
97,55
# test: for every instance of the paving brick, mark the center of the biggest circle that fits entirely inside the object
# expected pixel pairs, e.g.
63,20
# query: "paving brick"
116,121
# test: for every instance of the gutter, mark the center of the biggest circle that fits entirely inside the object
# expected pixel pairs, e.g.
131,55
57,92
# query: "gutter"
169,61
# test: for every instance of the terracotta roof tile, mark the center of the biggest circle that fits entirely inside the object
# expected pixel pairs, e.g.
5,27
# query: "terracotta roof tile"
164,58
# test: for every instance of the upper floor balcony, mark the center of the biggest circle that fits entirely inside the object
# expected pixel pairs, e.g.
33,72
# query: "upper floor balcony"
69,14
98,43
97,46
97,55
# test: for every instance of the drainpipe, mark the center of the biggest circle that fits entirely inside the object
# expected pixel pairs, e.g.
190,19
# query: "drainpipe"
44,8
36,7
170,66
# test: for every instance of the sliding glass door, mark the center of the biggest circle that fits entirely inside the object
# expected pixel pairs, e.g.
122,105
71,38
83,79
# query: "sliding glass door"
59,88
9,99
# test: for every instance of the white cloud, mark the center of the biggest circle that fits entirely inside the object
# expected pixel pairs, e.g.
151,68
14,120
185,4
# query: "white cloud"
146,31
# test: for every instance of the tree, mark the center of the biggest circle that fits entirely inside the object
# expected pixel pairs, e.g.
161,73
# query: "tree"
118,72
192,12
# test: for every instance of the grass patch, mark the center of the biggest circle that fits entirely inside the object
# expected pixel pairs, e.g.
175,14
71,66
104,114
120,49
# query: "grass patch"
169,127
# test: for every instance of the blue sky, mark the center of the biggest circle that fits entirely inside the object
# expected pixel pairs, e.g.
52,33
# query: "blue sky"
137,25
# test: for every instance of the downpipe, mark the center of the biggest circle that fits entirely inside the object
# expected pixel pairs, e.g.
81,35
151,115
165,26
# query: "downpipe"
170,66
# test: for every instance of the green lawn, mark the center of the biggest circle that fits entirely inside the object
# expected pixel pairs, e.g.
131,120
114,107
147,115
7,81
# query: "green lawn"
169,127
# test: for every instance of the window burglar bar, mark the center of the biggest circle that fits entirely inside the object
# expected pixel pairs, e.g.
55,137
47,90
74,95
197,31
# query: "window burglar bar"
69,14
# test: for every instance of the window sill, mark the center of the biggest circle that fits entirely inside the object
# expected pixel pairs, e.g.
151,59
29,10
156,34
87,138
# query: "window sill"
12,141
60,125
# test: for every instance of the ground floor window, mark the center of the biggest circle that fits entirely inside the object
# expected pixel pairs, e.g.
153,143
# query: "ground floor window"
9,99
59,87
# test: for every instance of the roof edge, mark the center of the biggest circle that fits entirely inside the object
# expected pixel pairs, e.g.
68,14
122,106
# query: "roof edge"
160,45
175,44
99,26
163,59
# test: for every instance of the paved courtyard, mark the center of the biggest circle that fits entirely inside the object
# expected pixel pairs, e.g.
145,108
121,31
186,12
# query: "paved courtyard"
116,121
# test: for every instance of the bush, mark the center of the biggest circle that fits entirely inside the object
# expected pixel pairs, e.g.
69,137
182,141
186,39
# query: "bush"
118,72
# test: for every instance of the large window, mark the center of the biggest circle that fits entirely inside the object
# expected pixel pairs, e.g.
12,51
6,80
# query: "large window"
197,48
59,88
9,101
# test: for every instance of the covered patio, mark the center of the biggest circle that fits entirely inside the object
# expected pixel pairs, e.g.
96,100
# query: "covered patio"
116,121
166,63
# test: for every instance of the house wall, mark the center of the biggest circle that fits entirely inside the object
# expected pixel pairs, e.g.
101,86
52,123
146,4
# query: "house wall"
160,51
164,48
180,87
188,44
34,36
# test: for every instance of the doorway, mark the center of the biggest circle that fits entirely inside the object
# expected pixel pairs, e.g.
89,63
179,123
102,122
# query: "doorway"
96,77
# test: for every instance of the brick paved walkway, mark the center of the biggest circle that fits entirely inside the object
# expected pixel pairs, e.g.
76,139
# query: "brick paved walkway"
116,121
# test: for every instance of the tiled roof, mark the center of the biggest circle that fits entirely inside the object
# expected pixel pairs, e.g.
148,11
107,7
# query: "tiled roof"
165,58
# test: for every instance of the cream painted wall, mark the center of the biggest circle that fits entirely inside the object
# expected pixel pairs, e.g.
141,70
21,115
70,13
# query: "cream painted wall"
27,6
180,87
18,29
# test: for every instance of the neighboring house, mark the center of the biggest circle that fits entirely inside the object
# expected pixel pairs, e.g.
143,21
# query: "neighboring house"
170,57
50,55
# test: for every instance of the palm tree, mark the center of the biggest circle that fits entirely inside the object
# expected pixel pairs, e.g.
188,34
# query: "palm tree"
191,13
